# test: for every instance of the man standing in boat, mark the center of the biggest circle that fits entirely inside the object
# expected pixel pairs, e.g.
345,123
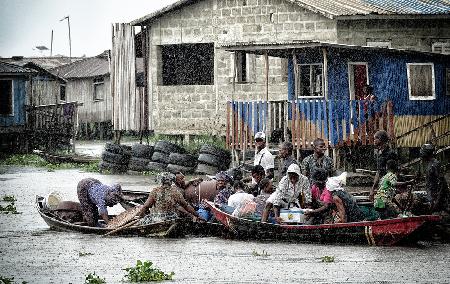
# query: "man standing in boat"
317,160
285,153
263,156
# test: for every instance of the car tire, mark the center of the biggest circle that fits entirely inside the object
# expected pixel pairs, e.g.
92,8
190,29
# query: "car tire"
115,158
168,147
114,168
177,168
216,151
118,149
185,160
138,164
206,169
142,151
211,160
160,157
155,166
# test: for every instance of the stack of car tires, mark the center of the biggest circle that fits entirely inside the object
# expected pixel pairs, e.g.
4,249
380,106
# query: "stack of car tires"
184,163
115,158
141,155
160,157
212,160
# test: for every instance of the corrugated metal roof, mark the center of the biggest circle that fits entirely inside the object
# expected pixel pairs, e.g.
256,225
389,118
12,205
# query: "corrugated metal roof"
8,68
86,68
337,8
43,62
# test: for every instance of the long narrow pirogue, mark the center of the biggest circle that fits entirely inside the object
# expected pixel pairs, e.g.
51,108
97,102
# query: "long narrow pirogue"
381,232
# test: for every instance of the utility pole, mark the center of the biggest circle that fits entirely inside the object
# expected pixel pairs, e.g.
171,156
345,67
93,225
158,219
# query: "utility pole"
70,42
51,45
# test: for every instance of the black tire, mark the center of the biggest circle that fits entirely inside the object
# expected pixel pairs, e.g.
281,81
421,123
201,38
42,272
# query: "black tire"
115,158
118,149
211,160
184,160
206,169
168,147
155,166
115,168
216,151
176,168
142,151
160,157
138,164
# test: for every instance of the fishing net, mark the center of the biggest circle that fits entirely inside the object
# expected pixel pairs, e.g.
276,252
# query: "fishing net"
123,218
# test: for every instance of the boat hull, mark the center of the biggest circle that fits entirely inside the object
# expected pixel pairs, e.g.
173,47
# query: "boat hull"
381,232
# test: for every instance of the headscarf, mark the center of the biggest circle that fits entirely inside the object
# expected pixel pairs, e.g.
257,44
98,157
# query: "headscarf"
336,183
113,194
223,176
165,178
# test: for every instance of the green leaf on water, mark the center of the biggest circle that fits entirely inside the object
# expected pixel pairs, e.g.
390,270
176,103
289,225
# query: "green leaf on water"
144,271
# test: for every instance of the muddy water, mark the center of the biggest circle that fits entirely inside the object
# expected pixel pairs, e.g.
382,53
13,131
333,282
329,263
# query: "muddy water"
30,252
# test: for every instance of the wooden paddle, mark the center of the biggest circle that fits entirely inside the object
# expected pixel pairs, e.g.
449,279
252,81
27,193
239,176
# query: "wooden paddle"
121,227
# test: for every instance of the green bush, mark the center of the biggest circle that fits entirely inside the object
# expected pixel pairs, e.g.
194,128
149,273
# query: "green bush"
143,271
92,278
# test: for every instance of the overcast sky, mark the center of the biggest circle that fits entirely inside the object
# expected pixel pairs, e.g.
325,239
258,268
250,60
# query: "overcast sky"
25,24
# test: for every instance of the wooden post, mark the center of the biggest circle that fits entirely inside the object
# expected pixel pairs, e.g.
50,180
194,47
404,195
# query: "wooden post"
266,63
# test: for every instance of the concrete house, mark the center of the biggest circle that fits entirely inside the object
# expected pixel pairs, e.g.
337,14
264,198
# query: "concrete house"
191,76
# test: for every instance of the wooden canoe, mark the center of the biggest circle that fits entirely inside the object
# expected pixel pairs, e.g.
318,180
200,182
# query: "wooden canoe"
380,233
174,228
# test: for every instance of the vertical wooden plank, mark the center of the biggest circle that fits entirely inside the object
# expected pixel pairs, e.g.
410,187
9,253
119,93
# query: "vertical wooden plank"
331,118
346,106
241,118
364,120
313,119
355,121
250,124
293,124
255,117
325,122
228,125
303,122
392,133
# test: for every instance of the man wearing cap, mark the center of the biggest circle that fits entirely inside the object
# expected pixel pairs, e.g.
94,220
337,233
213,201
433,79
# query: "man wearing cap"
292,191
263,156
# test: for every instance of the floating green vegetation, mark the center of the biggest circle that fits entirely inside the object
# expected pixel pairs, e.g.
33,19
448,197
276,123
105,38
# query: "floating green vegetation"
92,278
10,208
6,280
263,253
9,198
84,253
144,271
36,161
327,258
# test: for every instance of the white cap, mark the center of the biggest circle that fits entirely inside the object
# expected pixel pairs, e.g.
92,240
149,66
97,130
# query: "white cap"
336,183
260,135
294,168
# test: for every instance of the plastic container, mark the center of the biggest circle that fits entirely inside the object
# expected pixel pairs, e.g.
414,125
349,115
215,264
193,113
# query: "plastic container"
53,199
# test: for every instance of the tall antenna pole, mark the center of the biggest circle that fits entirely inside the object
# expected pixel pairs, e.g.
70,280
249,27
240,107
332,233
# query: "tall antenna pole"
51,45
70,41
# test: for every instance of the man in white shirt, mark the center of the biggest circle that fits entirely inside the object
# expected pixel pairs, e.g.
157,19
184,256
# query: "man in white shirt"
263,156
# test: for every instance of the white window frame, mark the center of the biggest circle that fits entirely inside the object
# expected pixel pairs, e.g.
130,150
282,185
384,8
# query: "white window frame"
99,83
444,47
379,43
297,81
12,99
351,77
433,83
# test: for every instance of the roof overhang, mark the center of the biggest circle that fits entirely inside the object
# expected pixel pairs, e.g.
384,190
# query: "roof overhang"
393,17
285,50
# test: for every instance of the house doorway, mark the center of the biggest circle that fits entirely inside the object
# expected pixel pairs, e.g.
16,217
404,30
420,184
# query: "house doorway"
358,79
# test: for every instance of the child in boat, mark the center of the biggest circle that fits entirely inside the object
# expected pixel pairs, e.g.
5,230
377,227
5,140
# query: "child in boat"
384,197
322,200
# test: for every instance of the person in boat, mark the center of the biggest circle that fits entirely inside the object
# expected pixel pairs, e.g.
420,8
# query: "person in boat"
285,153
438,194
94,199
384,202
383,154
240,203
321,200
317,160
163,202
267,189
180,182
263,156
258,173
224,191
345,203
293,191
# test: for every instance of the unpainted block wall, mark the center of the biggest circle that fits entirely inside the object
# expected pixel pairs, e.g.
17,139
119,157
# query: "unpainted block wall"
202,109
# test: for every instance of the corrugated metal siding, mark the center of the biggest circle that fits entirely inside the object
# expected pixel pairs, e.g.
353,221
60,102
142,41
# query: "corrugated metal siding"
83,92
19,94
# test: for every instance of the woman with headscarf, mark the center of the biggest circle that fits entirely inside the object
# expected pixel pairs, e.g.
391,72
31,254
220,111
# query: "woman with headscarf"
347,209
164,201
94,197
